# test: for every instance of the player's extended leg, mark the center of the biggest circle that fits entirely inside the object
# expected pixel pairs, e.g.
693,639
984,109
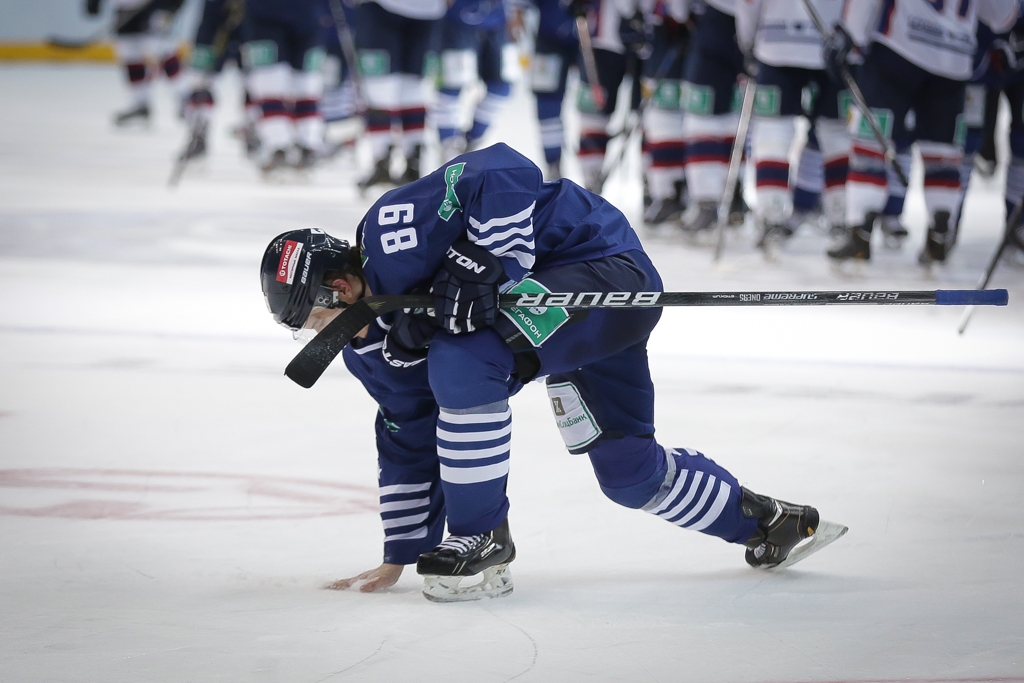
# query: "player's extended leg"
830,114
378,50
940,138
889,83
307,90
131,53
709,126
458,70
549,71
664,149
270,79
416,38
494,72
611,68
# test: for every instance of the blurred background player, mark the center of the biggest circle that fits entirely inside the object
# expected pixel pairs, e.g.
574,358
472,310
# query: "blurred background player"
556,51
142,30
474,44
219,39
792,82
608,21
285,57
393,39
664,150
906,67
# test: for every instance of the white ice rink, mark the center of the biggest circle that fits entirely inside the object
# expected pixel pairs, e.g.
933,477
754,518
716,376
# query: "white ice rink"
170,504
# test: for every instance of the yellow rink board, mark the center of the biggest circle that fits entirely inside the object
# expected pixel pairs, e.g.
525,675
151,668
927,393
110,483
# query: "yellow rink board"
43,51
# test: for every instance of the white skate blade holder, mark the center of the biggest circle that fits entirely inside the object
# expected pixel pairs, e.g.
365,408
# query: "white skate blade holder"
826,533
495,582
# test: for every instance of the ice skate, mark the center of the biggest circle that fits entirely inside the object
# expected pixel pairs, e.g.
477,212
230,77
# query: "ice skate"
459,557
305,158
137,114
412,166
274,163
773,236
786,533
381,174
857,246
738,208
699,221
939,241
662,211
893,231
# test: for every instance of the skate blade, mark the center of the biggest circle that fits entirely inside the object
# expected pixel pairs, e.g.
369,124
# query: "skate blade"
827,532
495,582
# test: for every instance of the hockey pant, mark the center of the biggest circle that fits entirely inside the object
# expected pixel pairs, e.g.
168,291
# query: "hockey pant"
392,52
892,86
709,100
602,398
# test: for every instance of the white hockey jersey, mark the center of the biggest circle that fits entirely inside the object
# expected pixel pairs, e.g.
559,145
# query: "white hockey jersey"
936,35
781,32
415,9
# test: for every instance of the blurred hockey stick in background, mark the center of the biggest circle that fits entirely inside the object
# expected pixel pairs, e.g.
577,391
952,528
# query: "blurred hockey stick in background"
889,150
735,160
1008,239
311,362
589,62
127,16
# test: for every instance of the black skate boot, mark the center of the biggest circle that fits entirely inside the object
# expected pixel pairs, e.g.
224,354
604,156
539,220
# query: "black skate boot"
939,241
461,556
893,231
738,208
786,533
663,211
381,173
412,166
857,245
274,162
305,158
699,220
137,114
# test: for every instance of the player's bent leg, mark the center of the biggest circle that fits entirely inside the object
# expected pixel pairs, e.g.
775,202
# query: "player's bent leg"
469,377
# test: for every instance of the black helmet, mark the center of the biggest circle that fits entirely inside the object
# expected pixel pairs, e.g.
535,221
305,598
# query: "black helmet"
293,270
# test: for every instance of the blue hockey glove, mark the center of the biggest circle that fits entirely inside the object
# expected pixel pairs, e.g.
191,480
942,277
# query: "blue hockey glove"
835,50
465,289
408,340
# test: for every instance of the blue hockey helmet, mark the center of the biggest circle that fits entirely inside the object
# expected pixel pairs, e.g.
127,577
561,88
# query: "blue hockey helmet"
293,270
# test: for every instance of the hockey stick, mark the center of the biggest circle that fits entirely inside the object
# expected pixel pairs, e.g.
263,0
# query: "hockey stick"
589,62
348,48
735,158
81,43
629,130
861,103
1011,223
311,362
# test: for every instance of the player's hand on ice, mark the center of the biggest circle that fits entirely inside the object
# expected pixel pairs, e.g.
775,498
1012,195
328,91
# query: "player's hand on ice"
376,579
465,289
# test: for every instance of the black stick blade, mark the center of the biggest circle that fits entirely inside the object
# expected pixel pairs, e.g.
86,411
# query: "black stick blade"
311,362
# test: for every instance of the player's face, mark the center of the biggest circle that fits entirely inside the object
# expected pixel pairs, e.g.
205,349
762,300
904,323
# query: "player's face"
340,293
318,319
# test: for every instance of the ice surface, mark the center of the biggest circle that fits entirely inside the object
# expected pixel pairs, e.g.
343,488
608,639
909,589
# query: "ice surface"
170,504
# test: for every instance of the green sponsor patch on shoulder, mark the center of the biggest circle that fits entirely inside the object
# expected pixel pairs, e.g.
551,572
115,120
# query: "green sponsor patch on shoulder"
451,202
536,324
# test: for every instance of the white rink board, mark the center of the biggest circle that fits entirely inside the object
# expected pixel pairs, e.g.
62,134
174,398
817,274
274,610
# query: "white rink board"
170,504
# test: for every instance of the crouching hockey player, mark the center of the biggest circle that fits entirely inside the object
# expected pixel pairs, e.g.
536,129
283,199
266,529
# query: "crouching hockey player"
918,56
486,222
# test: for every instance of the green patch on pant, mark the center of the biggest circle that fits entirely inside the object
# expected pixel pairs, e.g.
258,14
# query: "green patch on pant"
259,53
698,99
960,133
668,95
536,324
203,58
768,100
845,105
314,58
585,100
374,63
884,118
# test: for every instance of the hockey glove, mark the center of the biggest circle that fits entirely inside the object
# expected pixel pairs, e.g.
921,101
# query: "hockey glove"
835,51
408,340
92,7
465,289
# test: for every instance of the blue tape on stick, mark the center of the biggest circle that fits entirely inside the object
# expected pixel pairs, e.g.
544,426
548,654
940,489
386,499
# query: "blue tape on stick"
971,297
